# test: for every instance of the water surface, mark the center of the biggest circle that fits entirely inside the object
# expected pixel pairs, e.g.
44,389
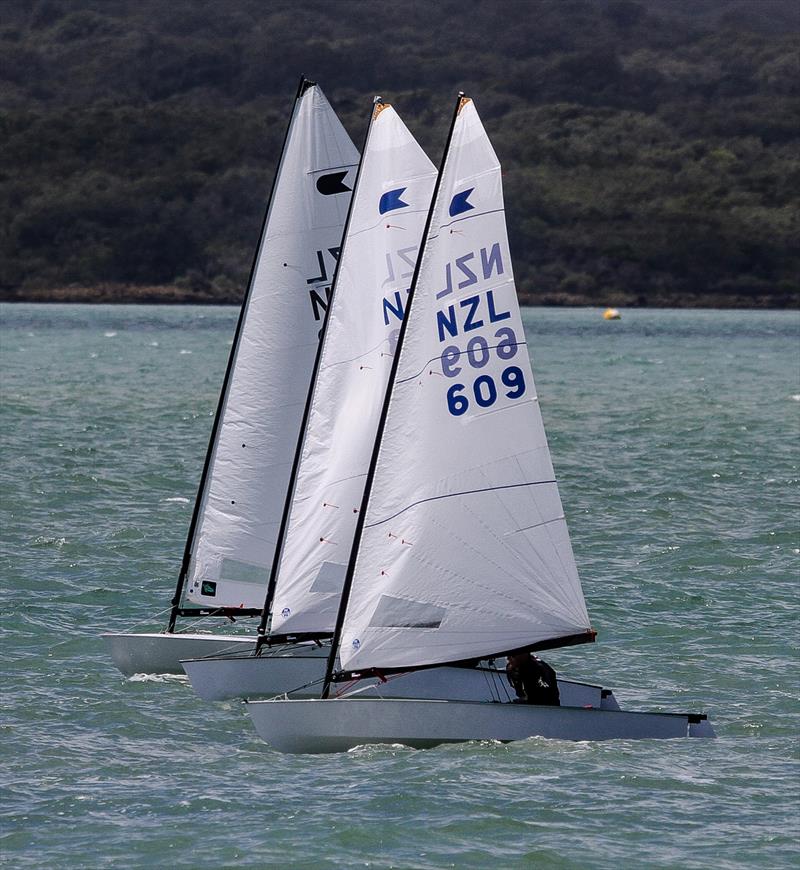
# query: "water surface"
675,439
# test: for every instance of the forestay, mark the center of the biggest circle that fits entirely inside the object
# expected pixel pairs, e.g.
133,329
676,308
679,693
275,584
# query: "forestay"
464,551
249,469
390,206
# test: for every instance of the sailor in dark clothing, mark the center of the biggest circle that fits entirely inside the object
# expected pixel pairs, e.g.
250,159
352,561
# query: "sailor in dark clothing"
533,680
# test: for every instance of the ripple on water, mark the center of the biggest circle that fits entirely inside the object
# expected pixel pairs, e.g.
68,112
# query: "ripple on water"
680,486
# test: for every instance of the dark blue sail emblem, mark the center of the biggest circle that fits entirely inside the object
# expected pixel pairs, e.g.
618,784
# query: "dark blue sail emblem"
333,183
459,204
391,200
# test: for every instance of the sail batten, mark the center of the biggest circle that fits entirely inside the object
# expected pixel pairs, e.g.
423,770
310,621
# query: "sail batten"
378,522
240,504
463,551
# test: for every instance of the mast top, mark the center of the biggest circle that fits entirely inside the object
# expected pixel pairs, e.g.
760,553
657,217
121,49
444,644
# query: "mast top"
304,85
379,105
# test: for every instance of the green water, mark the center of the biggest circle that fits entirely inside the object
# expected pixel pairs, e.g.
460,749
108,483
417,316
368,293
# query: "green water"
675,438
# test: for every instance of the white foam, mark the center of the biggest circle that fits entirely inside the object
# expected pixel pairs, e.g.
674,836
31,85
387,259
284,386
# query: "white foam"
158,678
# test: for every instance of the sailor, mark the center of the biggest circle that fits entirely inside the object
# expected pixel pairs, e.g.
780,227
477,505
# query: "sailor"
533,680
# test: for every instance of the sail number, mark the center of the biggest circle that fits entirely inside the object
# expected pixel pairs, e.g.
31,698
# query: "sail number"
484,389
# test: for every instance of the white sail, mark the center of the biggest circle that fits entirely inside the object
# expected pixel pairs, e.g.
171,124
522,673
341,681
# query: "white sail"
465,551
243,500
390,206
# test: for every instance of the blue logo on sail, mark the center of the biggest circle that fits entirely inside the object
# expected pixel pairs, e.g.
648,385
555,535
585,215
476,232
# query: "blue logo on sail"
391,200
356,643
459,204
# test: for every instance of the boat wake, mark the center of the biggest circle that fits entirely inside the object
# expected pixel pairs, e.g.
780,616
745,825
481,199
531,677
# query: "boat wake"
158,678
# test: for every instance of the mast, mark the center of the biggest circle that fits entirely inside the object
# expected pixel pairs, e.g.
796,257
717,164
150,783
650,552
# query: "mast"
273,575
348,581
303,85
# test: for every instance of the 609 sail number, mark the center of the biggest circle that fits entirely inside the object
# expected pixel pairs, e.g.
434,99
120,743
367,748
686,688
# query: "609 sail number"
484,390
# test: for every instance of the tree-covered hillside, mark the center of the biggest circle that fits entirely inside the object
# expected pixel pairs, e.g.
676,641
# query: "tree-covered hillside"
650,149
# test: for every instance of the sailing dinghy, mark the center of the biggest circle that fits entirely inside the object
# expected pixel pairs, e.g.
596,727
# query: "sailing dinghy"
461,550
389,208
233,529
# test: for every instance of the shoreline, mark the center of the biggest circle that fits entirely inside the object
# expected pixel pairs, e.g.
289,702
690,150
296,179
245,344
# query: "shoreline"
116,294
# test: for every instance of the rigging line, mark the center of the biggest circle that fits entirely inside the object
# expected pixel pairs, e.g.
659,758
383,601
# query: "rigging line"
366,353
522,343
347,692
502,684
489,685
223,651
382,219
467,217
537,525
329,168
279,649
214,614
297,689
150,618
498,683
453,494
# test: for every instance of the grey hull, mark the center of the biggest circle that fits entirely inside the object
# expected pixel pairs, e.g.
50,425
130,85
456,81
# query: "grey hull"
156,653
337,725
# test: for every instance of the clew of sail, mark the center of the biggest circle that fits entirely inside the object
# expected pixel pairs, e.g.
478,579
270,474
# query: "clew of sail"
242,502
464,551
390,205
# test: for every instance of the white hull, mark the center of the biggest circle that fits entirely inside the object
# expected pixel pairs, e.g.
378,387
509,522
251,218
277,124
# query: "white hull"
245,676
300,670
337,725
157,653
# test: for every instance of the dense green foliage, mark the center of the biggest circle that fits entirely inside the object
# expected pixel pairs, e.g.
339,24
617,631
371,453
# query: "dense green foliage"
650,148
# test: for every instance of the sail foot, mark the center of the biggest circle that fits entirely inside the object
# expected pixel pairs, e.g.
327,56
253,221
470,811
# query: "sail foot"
588,636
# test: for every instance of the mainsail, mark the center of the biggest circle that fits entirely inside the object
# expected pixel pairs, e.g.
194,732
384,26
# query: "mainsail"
464,551
390,205
241,502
